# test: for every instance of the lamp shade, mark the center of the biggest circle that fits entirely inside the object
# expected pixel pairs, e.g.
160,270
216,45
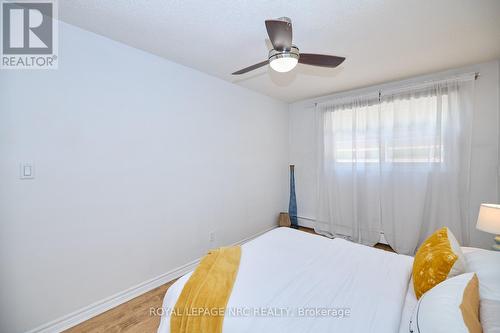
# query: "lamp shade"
489,218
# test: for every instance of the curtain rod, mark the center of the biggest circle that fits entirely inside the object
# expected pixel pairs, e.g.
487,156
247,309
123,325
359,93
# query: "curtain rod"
476,76
426,83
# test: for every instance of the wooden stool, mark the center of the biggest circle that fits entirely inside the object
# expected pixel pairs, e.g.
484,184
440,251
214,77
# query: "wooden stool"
284,220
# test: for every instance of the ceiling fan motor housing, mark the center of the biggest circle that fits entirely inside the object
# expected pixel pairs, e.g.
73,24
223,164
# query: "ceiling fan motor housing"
293,52
285,19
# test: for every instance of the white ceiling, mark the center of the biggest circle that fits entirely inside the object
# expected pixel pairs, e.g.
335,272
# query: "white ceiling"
383,40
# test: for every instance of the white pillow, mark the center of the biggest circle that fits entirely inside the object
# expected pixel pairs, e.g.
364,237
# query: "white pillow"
451,306
486,264
490,316
460,265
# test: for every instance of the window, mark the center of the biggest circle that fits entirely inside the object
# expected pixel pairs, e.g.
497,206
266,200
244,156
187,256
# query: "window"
375,133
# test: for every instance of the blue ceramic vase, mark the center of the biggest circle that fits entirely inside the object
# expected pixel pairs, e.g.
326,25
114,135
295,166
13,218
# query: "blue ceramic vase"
292,205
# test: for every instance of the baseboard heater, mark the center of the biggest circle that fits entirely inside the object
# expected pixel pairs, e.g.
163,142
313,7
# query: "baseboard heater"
308,222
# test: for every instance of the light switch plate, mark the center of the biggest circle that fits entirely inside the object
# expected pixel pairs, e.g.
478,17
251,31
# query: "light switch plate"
26,170
211,236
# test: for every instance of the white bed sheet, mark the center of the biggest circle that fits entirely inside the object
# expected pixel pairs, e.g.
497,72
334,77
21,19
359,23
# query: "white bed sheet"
293,270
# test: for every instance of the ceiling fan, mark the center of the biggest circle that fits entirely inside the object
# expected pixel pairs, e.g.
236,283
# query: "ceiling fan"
284,56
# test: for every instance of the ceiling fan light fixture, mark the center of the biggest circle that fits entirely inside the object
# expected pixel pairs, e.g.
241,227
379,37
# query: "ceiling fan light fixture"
284,56
284,64
284,61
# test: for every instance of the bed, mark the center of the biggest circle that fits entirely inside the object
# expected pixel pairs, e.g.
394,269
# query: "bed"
292,281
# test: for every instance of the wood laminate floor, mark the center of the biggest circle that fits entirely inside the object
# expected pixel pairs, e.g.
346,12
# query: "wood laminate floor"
135,315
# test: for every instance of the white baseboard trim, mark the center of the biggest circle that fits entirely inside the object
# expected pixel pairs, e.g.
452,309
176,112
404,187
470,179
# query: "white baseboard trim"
106,304
243,241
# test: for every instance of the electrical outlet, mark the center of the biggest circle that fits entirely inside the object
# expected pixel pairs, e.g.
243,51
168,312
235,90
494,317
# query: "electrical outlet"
26,170
211,236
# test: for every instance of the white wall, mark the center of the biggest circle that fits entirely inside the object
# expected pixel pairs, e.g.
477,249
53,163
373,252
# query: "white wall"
137,159
484,168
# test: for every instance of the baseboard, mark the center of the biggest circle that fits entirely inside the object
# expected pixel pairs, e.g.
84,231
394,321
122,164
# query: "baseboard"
244,240
106,304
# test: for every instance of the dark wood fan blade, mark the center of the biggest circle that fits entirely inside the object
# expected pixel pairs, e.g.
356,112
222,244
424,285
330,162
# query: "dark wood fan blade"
280,34
321,60
251,68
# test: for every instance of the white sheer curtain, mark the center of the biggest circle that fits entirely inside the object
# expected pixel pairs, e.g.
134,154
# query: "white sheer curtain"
348,175
397,164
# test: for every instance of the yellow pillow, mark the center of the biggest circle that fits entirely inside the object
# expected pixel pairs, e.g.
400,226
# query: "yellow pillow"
437,259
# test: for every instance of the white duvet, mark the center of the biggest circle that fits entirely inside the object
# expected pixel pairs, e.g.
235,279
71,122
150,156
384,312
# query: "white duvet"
292,281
